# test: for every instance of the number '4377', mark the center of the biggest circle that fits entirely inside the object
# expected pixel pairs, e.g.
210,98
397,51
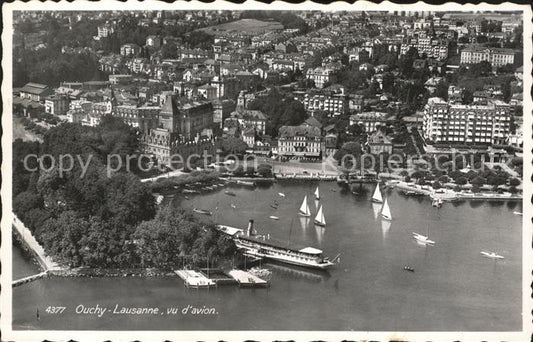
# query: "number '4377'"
55,309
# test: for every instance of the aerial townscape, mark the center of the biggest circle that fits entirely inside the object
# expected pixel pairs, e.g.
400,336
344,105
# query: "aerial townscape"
371,134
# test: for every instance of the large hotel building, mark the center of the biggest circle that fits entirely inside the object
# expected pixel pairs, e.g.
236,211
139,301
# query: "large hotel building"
457,123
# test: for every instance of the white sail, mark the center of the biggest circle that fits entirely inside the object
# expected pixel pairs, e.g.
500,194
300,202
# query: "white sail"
319,219
317,193
377,195
385,212
304,208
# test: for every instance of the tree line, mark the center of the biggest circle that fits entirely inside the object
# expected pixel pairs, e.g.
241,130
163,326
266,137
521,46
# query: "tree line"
88,216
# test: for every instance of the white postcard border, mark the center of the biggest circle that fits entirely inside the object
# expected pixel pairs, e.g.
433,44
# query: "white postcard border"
6,294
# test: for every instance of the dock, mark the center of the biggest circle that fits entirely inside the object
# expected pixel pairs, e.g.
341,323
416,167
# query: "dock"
195,280
218,276
246,279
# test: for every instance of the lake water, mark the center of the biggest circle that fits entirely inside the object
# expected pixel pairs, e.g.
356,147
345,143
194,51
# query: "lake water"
453,287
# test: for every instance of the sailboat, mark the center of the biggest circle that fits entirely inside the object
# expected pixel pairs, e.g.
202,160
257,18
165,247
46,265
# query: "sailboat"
304,208
317,193
377,195
423,239
319,219
385,212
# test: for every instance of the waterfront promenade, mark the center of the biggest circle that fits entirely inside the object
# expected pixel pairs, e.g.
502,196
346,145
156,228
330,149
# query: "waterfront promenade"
451,195
46,262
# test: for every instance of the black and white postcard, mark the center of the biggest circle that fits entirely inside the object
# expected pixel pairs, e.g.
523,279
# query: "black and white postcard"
208,172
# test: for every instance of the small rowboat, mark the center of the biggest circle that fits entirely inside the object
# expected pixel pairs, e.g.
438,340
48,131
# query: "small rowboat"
408,268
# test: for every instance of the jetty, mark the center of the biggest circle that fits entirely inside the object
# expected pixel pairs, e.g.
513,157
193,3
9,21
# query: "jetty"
218,276
246,279
195,280
29,279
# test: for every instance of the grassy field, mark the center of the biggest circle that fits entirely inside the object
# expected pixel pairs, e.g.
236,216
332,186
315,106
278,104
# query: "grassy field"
244,26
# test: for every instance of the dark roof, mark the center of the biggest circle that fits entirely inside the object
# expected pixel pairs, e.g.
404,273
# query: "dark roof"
291,131
379,138
312,121
248,113
34,88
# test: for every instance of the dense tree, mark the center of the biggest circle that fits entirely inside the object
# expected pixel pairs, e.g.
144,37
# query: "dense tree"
349,155
406,62
198,39
21,174
480,69
442,90
174,236
62,237
280,109
514,182
169,50
478,181
264,170
436,185
233,145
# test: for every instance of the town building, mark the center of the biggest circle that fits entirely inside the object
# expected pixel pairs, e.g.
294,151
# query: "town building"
249,118
76,115
300,142
207,91
105,31
144,118
333,104
495,56
169,149
456,123
56,104
222,110
187,118
35,92
378,143
370,121
130,49
432,47
120,79
320,76
153,41
356,103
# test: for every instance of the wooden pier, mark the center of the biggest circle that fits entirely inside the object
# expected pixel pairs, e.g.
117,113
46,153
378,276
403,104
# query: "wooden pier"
195,280
246,279
218,276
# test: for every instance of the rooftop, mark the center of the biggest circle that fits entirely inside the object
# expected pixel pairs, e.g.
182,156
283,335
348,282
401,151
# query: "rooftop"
292,131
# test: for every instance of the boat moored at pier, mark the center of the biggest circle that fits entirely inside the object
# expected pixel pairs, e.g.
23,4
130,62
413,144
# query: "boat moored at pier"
259,247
